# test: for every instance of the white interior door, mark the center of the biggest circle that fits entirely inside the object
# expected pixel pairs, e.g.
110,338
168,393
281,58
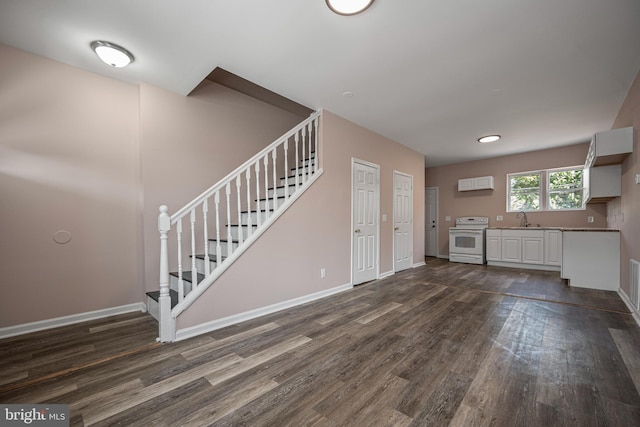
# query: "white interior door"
402,221
365,206
431,222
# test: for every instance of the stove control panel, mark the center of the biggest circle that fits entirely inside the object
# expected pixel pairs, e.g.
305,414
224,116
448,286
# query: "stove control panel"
470,220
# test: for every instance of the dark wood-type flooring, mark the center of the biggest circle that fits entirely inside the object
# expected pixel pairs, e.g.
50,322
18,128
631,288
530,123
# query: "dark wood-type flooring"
443,344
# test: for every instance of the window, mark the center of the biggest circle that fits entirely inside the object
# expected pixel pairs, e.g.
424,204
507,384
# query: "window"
565,189
525,191
550,190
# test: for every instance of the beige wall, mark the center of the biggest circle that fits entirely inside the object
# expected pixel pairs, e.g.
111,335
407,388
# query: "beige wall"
624,212
315,232
491,203
68,161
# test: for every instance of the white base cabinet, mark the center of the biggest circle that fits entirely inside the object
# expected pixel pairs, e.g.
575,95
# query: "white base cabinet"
494,245
523,248
591,259
553,247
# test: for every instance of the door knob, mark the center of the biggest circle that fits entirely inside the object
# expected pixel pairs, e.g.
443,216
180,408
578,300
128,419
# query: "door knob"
396,229
357,230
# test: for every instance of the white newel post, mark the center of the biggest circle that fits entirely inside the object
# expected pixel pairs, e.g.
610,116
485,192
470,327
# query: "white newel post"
164,301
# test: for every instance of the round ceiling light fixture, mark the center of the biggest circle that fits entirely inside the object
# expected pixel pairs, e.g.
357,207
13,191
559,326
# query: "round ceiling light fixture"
488,138
348,7
112,54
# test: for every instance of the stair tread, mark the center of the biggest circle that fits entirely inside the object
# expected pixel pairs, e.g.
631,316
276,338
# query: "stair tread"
244,212
187,275
269,198
225,240
155,295
212,257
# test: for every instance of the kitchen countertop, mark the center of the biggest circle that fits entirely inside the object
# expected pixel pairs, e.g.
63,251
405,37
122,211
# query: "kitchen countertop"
556,228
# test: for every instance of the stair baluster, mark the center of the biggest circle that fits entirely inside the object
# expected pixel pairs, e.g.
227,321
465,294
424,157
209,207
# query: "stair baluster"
239,198
205,212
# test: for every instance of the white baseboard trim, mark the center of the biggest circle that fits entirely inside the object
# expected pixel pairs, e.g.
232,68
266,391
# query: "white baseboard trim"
419,264
203,328
635,313
386,274
56,322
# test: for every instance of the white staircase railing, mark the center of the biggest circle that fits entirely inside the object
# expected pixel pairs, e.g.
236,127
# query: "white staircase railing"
213,230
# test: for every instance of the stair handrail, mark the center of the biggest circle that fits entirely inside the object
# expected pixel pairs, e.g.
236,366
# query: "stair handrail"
311,171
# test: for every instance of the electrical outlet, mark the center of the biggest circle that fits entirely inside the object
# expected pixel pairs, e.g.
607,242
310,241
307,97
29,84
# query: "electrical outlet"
323,273
384,217
589,218
447,218
499,218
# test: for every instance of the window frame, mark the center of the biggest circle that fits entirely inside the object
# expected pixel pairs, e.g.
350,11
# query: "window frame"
545,190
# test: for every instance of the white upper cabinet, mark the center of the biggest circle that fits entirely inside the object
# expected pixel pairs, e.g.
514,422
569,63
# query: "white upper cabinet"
602,183
610,147
479,183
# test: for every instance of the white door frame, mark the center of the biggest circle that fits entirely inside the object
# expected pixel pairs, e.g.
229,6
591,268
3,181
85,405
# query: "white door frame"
377,205
426,214
395,172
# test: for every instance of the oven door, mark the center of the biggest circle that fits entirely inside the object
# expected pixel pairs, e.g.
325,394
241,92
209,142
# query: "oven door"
470,242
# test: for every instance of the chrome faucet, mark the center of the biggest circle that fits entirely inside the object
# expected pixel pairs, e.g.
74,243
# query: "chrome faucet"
524,222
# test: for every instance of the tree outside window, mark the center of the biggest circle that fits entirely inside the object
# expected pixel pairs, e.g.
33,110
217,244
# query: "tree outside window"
554,189
565,189
524,192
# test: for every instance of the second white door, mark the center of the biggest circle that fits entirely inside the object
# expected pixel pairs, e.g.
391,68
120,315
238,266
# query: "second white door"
402,221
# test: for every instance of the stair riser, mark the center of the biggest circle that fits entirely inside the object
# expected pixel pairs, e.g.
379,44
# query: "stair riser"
173,284
268,204
245,231
254,217
224,249
200,264
280,191
153,308
291,180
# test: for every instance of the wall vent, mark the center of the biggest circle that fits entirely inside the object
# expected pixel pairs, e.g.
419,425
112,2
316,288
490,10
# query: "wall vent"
634,281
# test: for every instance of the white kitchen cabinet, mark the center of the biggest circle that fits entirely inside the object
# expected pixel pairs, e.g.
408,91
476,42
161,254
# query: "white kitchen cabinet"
591,259
479,183
533,250
494,245
553,247
610,147
522,248
511,248
602,183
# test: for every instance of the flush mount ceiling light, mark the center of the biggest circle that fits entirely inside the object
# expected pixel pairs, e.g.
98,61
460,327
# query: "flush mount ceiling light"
488,138
112,54
348,7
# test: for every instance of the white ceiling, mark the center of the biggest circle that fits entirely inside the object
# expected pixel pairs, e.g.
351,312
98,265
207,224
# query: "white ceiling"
432,75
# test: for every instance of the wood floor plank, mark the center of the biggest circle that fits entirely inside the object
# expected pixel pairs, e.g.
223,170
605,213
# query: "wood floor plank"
98,409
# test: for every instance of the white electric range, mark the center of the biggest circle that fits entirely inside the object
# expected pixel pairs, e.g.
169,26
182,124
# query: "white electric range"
467,240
